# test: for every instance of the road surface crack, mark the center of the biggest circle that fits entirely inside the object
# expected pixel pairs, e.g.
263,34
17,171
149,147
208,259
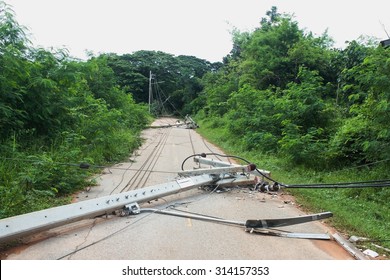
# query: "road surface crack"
85,240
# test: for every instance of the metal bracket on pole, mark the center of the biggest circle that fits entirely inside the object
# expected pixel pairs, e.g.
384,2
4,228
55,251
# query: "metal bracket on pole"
131,209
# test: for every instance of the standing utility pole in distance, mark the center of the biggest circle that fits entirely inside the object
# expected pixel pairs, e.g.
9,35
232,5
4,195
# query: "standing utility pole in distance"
150,89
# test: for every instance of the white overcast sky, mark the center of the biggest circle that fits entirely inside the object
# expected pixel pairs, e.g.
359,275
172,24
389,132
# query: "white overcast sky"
190,27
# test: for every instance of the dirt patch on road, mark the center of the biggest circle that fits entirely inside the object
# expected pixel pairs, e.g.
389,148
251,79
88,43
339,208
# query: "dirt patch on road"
333,249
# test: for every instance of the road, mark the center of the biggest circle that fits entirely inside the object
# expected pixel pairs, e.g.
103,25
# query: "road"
152,236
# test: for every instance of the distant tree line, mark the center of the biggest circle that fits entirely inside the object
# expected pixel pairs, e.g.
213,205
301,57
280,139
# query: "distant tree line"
179,77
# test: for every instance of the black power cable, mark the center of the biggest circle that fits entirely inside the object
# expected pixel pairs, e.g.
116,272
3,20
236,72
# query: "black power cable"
361,184
366,184
236,157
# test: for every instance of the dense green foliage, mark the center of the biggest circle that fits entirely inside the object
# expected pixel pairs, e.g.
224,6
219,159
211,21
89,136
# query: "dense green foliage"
55,111
309,112
287,92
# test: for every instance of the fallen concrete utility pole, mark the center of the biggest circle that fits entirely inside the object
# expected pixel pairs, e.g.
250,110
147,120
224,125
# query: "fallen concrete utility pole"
188,123
223,174
26,224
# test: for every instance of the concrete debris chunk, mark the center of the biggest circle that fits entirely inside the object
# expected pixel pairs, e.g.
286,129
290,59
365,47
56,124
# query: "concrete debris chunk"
355,239
370,253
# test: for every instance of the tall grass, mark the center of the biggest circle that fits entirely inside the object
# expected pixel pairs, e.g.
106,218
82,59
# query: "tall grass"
36,175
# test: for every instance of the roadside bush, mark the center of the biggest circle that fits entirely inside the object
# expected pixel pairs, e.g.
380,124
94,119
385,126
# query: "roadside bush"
56,112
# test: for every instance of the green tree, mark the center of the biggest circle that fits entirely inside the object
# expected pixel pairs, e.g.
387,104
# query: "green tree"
307,120
266,56
14,49
365,136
